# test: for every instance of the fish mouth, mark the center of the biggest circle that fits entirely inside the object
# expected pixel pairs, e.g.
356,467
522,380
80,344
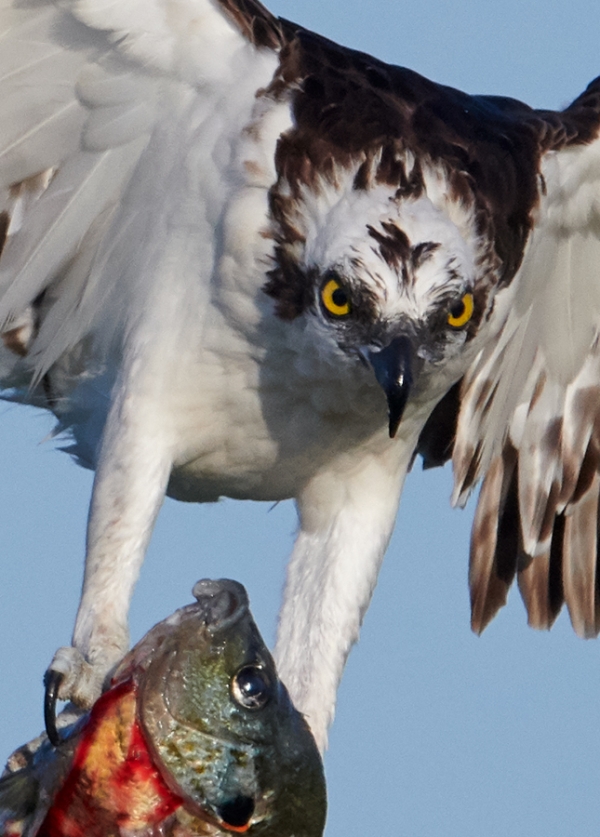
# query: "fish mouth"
236,814
220,603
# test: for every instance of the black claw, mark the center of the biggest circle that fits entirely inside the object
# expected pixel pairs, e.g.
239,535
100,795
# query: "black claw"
52,681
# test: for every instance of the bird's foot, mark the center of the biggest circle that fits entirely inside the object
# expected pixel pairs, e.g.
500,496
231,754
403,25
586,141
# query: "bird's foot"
70,677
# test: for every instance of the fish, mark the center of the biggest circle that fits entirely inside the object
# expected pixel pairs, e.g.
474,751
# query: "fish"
196,735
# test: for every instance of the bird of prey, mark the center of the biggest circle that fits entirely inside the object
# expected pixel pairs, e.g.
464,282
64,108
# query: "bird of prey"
240,260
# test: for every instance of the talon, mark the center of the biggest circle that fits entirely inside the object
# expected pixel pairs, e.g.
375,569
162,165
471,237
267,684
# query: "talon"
52,682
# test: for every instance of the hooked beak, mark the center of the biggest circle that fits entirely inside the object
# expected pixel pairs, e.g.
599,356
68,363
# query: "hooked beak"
393,370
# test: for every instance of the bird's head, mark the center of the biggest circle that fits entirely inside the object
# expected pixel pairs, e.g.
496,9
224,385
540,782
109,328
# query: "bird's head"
401,286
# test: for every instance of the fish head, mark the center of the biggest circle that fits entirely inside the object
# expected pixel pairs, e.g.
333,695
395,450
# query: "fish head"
221,724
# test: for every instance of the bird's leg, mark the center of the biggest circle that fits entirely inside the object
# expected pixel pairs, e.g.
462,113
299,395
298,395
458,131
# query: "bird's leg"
131,477
346,519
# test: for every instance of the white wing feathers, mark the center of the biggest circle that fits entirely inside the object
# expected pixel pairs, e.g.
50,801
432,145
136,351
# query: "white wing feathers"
530,415
82,85
191,40
42,118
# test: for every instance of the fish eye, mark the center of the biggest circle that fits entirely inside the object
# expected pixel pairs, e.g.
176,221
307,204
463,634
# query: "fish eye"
335,298
461,311
251,687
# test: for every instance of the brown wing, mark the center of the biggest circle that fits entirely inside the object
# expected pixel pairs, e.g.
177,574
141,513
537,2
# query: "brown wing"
529,421
255,22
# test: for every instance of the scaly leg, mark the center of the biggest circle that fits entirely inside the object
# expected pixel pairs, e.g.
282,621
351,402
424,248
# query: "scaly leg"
131,478
346,520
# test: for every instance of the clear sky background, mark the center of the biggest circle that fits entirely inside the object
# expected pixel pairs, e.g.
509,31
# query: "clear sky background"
438,733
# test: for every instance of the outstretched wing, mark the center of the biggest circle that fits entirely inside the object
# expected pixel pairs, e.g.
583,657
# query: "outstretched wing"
82,91
529,420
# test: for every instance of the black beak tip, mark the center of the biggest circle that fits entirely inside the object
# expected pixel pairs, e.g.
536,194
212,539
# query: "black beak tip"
397,398
392,367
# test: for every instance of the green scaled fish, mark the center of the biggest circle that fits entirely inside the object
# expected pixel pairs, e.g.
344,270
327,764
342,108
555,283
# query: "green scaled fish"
195,736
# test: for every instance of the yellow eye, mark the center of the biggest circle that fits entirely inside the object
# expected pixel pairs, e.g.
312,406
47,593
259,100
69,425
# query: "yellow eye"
335,298
461,312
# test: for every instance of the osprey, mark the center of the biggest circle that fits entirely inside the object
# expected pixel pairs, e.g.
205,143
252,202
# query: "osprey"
241,260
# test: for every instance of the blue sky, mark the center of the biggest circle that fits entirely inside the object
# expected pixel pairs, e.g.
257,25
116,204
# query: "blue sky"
438,732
